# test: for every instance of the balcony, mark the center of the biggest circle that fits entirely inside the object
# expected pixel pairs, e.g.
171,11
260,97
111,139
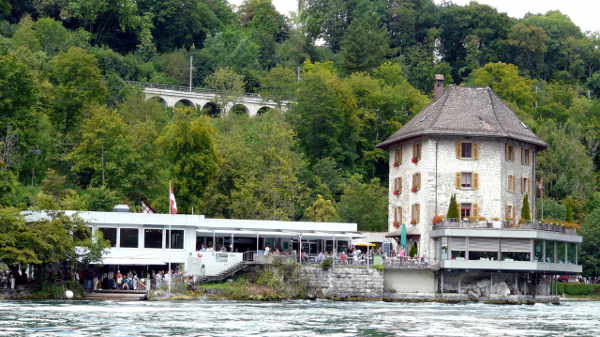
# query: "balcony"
506,225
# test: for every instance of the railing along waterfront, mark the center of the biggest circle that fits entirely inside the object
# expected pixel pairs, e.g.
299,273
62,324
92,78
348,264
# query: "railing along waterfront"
540,226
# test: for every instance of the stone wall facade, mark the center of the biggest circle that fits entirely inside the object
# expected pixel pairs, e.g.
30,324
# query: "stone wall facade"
343,282
438,168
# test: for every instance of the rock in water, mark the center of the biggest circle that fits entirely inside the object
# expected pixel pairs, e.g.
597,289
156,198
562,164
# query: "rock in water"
68,294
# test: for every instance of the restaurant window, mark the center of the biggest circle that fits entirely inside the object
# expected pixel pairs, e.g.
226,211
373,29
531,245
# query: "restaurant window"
550,251
176,239
153,238
516,256
561,253
457,254
486,256
465,210
571,253
110,235
538,250
129,237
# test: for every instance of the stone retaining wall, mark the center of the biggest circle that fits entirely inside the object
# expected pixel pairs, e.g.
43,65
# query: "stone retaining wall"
344,282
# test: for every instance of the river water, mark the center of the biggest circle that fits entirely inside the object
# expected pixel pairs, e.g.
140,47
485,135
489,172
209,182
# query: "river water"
294,318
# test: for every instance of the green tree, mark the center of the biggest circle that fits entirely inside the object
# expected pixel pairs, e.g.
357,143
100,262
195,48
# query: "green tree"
324,118
365,45
321,210
453,209
529,44
505,80
77,82
590,248
188,144
229,86
364,203
279,84
259,175
525,211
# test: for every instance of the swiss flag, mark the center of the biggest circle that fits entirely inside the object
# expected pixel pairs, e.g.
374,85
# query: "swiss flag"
172,202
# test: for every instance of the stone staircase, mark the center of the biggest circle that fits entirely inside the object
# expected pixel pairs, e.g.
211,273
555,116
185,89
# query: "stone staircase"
225,274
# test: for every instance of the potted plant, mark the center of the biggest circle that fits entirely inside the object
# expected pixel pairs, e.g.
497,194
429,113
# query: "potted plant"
415,160
496,223
396,224
438,219
396,193
396,164
414,189
413,222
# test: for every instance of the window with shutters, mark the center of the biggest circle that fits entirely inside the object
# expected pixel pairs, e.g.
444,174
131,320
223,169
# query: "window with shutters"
509,212
466,150
525,186
466,210
509,152
398,156
466,180
398,215
415,214
398,186
416,152
510,184
525,157
416,182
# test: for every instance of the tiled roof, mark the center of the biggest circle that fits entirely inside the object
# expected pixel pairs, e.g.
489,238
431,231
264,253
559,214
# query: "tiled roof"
466,111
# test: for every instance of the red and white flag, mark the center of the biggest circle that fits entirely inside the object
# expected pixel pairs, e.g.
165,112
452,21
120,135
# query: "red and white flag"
147,209
172,202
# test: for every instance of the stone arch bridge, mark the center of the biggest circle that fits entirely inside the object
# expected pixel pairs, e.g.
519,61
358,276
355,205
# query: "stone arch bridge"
202,98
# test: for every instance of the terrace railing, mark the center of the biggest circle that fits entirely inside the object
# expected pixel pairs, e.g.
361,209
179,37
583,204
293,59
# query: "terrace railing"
532,225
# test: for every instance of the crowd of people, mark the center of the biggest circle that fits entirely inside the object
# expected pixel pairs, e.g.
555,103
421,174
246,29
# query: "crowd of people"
130,280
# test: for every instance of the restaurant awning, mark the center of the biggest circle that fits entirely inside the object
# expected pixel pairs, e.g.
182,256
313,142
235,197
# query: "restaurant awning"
288,234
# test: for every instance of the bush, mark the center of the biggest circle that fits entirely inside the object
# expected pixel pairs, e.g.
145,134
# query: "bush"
57,290
327,263
578,289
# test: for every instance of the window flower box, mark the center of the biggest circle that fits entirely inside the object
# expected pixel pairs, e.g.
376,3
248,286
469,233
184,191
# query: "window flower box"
413,222
396,224
438,219
396,193
415,160
396,164
414,189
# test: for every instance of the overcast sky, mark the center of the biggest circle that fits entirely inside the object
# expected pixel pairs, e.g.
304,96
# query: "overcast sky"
583,12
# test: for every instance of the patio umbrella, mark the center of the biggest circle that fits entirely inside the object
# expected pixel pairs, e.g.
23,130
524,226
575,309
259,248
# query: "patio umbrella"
403,236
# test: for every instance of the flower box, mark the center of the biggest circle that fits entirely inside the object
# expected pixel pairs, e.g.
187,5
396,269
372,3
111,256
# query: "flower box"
414,190
396,193
396,164
415,160
396,224
438,219
413,222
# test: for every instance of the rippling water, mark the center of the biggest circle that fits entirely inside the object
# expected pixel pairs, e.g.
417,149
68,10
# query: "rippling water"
294,318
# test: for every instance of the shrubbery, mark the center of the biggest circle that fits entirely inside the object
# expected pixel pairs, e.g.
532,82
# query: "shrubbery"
578,289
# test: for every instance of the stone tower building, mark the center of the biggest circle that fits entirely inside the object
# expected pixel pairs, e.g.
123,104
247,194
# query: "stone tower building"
466,143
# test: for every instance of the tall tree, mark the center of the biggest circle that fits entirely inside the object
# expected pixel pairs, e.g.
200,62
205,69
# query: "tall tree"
189,146
365,45
364,203
229,86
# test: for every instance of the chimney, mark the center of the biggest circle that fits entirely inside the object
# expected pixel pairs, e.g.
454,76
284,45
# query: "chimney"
438,86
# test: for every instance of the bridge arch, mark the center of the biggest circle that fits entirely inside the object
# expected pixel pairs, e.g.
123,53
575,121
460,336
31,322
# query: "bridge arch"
185,102
211,109
239,109
263,110
159,100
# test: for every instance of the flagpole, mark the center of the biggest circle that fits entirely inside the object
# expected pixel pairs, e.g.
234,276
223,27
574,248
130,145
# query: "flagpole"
169,237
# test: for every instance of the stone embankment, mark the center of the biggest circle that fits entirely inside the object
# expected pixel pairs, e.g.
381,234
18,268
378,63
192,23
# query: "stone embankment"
343,283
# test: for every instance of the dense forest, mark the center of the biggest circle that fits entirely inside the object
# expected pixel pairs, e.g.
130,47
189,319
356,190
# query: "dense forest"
75,135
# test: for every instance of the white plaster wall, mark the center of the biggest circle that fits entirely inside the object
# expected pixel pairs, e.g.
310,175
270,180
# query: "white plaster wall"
491,196
516,169
409,281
